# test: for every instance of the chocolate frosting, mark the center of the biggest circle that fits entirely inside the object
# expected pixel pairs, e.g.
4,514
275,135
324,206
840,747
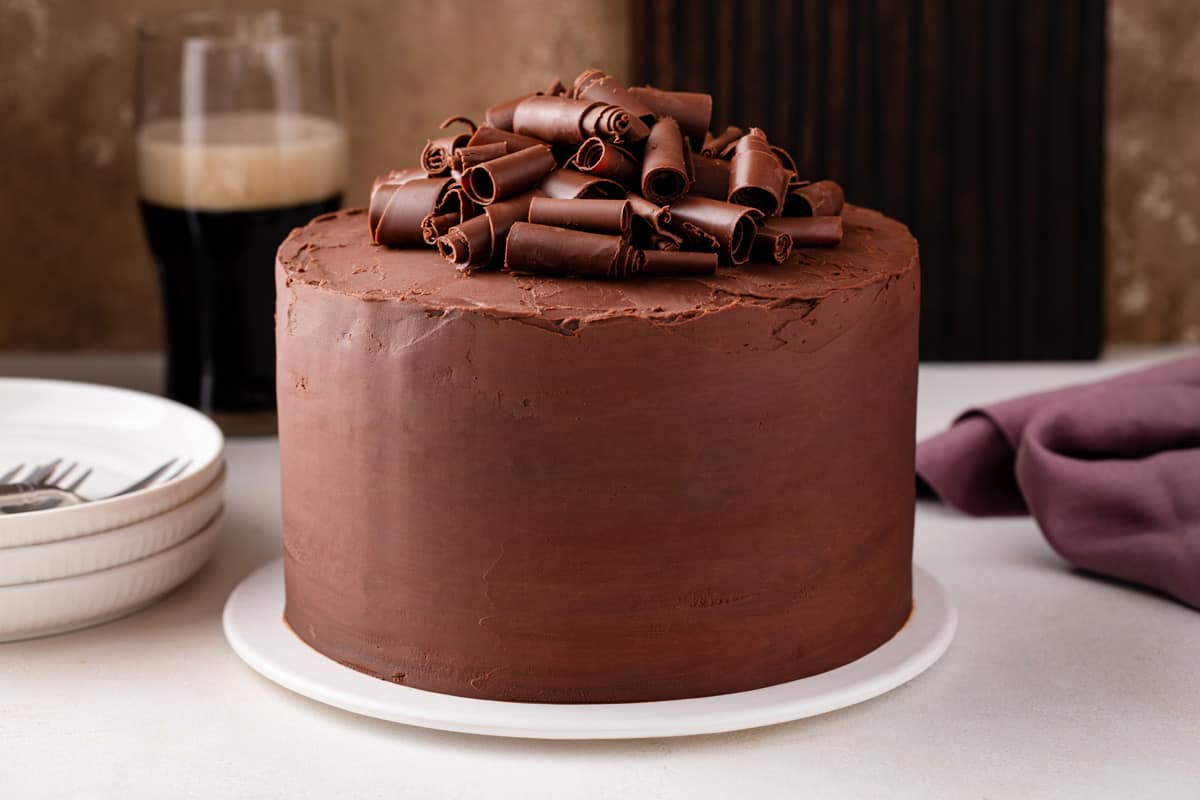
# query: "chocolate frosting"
568,490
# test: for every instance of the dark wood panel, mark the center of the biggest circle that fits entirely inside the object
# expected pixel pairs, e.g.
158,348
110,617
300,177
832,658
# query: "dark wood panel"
977,122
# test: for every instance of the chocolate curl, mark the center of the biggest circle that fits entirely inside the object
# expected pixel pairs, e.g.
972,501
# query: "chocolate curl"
599,216
756,178
665,240
555,89
595,85
695,238
501,115
710,177
435,158
692,110
664,167
602,120
508,175
479,241
563,120
470,123
503,215
820,199
544,250
714,146
822,231
397,210
466,157
655,216
387,183
771,245
514,141
734,227
604,159
453,207
568,184
468,245
689,164
666,262
789,164
455,201
433,227
399,176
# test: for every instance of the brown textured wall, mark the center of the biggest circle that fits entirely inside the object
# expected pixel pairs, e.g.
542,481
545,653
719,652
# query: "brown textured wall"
1153,214
75,270
76,273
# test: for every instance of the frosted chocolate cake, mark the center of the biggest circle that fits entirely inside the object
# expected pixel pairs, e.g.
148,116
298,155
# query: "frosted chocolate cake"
582,411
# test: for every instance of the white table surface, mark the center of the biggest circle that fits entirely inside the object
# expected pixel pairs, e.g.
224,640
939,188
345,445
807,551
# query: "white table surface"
1057,685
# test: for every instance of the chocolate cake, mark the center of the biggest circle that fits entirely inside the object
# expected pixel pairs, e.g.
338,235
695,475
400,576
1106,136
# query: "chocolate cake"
612,471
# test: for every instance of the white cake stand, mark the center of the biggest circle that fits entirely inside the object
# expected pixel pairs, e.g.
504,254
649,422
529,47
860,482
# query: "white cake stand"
255,629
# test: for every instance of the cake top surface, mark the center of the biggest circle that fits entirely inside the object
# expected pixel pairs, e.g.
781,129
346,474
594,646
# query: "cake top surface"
334,252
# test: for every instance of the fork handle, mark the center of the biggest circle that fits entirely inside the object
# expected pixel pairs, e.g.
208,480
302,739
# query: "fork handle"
10,489
16,498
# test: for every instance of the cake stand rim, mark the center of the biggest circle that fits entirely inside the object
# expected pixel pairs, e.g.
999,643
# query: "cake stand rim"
253,624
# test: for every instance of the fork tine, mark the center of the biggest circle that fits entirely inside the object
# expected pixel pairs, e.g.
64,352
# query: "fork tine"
60,477
75,484
12,473
178,472
146,481
39,474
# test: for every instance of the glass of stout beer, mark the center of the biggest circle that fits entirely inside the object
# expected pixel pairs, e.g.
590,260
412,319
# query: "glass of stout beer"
239,140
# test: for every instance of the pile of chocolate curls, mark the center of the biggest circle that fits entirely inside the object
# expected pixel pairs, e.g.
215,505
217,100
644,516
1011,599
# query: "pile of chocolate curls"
603,181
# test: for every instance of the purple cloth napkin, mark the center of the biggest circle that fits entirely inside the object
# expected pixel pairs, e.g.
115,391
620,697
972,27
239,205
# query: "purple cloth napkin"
1110,471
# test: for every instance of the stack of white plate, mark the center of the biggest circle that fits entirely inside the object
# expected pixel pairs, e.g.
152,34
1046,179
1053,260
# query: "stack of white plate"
79,565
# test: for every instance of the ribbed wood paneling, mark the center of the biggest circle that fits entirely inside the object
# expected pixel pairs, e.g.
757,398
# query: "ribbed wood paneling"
977,122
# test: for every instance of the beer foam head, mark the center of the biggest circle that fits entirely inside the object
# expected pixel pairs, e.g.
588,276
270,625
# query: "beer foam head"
240,161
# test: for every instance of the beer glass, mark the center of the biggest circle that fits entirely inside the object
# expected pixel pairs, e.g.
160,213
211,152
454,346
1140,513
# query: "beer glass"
239,140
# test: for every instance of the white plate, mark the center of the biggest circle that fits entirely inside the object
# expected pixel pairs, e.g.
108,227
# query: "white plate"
255,629
121,434
42,609
96,551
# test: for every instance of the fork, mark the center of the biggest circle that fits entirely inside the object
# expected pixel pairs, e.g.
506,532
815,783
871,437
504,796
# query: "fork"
41,489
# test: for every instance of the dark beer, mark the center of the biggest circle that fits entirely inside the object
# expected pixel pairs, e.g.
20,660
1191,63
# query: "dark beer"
214,215
215,270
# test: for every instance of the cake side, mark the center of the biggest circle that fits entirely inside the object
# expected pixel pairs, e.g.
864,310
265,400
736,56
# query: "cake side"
571,491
